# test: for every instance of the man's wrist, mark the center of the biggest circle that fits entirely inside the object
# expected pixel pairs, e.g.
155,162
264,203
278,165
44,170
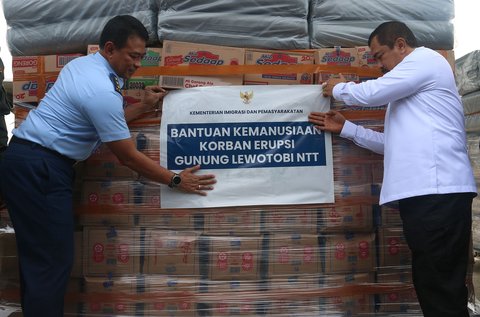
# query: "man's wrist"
175,180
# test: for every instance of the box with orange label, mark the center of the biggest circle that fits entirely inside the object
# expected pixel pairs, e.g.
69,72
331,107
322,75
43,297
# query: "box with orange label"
184,53
264,57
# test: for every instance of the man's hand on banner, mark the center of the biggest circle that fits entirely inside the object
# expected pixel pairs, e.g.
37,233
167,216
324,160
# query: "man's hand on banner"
196,184
331,121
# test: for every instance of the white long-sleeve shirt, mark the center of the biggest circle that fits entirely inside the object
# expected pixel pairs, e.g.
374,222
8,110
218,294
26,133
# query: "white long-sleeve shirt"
424,139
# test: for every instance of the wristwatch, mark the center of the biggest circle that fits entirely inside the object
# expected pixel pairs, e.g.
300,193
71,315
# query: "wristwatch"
175,181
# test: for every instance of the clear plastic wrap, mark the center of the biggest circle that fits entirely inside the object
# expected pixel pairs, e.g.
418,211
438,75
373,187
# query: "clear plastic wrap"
134,259
254,23
467,73
56,27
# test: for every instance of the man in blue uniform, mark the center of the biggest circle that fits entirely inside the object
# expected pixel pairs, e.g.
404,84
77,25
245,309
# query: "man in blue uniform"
82,109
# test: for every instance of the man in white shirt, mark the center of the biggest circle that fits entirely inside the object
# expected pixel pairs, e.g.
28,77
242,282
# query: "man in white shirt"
426,165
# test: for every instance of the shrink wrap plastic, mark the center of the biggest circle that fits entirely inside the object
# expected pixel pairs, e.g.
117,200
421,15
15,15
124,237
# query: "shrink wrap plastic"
135,259
467,73
471,103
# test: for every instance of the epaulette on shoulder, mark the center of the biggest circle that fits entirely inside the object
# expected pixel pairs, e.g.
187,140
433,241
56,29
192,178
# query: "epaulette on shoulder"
116,83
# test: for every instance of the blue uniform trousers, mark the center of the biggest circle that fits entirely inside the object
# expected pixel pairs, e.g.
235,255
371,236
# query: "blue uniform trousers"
438,230
37,187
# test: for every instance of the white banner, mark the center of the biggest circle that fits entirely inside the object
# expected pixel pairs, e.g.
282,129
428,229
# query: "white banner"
255,139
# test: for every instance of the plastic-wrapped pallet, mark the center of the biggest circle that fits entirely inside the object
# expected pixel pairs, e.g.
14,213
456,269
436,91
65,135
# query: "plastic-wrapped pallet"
57,27
471,102
467,73
338,22
269,24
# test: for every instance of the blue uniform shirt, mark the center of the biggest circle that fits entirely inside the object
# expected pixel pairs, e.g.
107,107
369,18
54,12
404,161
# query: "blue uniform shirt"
80,110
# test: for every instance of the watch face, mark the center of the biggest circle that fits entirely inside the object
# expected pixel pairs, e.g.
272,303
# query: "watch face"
176,180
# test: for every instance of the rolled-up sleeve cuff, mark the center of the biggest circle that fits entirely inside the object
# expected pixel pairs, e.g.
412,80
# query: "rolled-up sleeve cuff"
349,130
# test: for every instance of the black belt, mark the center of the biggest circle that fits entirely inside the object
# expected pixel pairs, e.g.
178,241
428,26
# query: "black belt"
42,148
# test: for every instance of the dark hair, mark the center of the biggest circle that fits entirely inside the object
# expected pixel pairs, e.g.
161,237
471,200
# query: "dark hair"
387,33
120,28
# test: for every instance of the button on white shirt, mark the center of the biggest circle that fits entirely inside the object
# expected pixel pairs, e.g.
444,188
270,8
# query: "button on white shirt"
424,140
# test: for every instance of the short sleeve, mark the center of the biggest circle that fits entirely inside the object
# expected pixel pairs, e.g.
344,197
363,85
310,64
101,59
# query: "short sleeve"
106,113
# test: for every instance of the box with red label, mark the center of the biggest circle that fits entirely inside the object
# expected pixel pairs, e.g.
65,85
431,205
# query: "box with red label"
112,251
393,248
399,294
233,258
104,217
106,192
153,55
264,57
38,65
103,163
146,195
341,218
176,219
233,222
147,139
390,216
111,285
55,63
175,295
171,252
232,306
336,56
342,279
353,173
295,220
296,282
93,48
344,192
355,305
184,53
27,90
365,57
26,66
293,254
109,295
288,306
348,252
